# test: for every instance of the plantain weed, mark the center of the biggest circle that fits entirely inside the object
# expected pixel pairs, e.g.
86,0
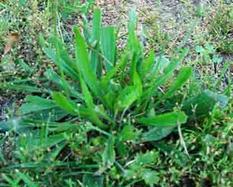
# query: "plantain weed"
101,115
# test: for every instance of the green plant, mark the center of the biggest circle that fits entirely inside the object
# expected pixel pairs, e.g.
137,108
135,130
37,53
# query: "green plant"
207,54
221,28
99,109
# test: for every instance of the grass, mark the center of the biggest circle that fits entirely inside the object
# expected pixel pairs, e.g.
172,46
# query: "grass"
85,113
221,28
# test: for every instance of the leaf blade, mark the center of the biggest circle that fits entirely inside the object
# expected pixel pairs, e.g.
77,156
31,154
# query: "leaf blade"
170,119
108,45
84,65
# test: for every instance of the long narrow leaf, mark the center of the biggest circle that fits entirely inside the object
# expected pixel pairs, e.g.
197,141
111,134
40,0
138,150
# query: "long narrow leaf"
126,98
96,31
65,103
84,65
62,84
109,153
165,120
108,46
35,104
182,77
158,81
147,64
156,134
86,94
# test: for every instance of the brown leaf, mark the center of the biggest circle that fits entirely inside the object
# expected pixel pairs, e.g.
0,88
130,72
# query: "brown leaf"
11,39
7,48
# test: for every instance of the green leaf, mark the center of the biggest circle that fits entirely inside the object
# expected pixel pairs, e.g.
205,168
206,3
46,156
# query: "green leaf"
109,154
92,116
126,98
84,65
150,177
167,71
58,54
62,84
16,124
165,120
35,140
108,46
55,151
54,114
132,21
21,87
147,158
147,64
109,99
120,66
96,31
58,127
95,39
109,87
93,181
137,84
201,105
133,44
128,133
94,113
182,77
63,59
86,94
27,180
156,134
157,81
161,63
169,149
35,104
65,103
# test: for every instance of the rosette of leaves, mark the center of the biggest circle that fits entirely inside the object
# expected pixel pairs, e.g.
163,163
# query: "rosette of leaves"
99,104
